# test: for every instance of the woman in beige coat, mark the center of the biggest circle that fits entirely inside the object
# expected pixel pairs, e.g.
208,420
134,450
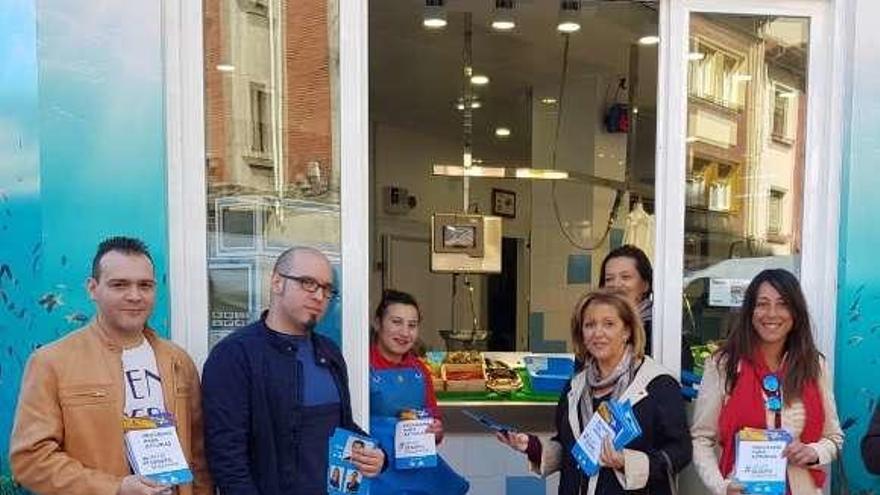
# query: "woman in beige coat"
767,375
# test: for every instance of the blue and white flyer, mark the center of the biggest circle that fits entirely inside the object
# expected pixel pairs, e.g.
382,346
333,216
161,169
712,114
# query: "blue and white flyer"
760,467
414,447
611,419
153,450
342,477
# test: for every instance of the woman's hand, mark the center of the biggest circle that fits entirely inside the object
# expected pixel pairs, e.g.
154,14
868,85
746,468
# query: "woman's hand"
734,488
609,457
436,428
800,454
368,461
514,440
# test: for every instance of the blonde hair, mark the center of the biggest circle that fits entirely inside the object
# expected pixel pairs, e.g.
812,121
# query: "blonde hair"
625,310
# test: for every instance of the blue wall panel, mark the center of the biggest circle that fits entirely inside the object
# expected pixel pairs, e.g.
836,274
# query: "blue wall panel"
858,337
82,157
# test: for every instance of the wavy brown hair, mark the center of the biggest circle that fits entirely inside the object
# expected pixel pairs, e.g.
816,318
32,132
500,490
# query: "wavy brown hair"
801,355
625,310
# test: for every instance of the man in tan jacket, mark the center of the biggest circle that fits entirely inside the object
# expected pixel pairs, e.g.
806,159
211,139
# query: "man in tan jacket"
68,433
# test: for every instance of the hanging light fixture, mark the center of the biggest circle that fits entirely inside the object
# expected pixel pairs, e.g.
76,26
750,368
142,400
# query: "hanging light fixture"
569,16
503,19
434,16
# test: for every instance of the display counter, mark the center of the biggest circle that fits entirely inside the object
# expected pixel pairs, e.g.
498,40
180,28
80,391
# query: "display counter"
514,388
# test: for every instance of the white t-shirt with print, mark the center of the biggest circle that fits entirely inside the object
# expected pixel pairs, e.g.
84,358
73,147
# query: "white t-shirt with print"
143,385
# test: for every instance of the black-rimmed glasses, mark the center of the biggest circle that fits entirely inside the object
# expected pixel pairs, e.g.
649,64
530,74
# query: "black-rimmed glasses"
311,285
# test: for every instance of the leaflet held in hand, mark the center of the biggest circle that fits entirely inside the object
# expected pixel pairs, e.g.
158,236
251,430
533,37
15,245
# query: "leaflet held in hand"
154,451
612,419
414,447
760,467
342,476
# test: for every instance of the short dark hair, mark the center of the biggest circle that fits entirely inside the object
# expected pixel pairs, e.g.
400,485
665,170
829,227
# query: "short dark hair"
122,244
391,296
643,265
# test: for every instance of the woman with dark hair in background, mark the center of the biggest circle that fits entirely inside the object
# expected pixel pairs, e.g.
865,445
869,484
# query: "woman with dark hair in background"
628,270
768,375
609,341
401,387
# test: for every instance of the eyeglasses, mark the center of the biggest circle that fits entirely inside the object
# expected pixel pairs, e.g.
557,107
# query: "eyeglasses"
311,286
772,388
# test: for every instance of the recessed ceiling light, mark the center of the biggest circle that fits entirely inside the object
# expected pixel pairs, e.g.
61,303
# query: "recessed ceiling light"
479,80
502,25
434,16
502,132
569,19
568,27
225,67
650,39
434,23
548,101
502,19
476,104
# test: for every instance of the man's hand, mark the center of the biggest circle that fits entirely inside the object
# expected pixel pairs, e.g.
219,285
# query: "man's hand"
368,461
139,485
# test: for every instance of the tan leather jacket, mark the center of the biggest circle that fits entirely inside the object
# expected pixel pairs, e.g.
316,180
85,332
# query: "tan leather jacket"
68,438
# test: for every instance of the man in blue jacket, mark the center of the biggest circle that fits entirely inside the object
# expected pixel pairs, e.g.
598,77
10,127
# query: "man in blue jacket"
274,391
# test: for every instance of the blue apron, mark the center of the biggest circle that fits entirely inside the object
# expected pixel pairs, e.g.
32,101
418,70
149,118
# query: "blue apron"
391,391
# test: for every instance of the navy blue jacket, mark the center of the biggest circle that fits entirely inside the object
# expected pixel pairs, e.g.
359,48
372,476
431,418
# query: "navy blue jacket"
252,411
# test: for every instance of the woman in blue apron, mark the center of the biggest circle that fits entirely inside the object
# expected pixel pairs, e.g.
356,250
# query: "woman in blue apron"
401,387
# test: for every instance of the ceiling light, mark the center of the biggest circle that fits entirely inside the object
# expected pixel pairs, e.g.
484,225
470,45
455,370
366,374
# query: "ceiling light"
479,80
434,16
694,56
502,132
569,16
475,103
651,39
473,171
502,19
225,67
537,173
548,101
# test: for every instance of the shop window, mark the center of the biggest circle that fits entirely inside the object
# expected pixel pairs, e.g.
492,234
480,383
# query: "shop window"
518,110
754,197
273,180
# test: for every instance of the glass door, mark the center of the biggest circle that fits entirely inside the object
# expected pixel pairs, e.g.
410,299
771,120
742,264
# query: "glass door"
743,167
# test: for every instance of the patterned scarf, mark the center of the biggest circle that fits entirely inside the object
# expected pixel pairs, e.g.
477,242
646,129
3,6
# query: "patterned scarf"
618,379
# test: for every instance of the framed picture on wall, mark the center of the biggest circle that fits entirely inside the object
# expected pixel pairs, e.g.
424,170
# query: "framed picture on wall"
503,203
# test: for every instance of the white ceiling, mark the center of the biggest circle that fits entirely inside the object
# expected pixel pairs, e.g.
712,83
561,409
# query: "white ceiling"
416,75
